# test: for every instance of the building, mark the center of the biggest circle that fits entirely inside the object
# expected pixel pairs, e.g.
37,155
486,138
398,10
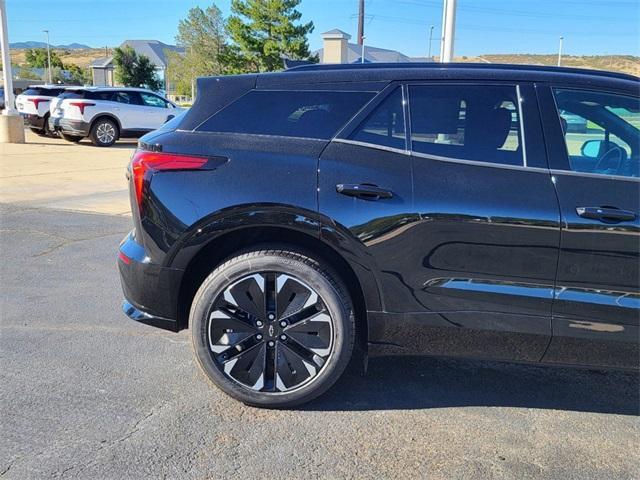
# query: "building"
338,49
102,68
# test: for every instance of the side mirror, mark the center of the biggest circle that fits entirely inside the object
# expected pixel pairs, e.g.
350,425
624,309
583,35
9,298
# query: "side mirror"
591,148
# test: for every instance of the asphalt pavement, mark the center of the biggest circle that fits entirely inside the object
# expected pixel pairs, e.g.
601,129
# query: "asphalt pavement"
88,394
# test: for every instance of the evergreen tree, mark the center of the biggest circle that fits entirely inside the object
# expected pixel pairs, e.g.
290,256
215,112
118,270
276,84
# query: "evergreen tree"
265,31
133,70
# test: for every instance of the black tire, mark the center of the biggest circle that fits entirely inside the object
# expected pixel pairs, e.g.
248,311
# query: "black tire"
71,138
305,360
104,132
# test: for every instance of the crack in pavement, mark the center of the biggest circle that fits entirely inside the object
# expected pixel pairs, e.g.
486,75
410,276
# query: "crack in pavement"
108,444
68,242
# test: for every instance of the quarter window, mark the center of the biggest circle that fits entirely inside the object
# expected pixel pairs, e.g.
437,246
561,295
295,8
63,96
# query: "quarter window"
601,131
130,98
307,114
384,126
466,122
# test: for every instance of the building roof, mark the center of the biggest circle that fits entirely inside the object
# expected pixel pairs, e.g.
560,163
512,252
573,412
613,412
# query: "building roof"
371,54
154,49
102,62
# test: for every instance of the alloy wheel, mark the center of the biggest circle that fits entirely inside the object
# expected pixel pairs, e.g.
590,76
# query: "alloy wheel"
106,133
270,332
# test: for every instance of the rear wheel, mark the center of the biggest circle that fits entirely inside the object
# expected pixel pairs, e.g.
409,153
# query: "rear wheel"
71,138
272,328
104,132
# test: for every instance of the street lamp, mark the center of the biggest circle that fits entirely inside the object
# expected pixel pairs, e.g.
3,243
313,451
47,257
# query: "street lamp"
362,55
430,38
48,57
560,52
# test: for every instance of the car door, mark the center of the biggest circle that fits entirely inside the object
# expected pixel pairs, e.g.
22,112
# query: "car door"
596,311
485,247
156,111
365,193
129,110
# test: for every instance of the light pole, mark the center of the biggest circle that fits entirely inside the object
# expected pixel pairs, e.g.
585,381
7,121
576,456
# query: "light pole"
362,55
449,31
430,38
560,51
48,57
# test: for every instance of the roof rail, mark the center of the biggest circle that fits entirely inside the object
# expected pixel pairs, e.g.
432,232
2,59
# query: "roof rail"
478,66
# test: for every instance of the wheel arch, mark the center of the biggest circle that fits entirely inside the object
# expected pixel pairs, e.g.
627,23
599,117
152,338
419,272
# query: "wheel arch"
110,117
221,247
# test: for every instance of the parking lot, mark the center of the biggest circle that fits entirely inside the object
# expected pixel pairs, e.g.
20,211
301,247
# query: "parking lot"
87,393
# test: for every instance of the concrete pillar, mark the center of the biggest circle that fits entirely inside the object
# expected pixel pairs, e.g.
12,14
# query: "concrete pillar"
11,125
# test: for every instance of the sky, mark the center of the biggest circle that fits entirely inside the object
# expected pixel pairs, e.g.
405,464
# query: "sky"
589,27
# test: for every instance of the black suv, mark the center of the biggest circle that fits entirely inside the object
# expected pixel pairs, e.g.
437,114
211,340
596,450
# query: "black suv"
296,219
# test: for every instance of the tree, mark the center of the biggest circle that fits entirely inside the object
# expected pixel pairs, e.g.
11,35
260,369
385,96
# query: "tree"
37,58
133,70
78,75
264,31
203,36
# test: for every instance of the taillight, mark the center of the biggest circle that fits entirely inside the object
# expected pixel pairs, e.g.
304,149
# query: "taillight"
82,105
144,164
37,101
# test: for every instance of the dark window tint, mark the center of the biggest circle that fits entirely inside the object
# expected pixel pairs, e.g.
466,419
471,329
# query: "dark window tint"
150,100
130,98
601,131
310,114
72,94
104,96
385,125
47,92
466,122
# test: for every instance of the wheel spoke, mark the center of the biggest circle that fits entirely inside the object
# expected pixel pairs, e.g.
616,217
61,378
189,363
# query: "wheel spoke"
248,294
247,367
226,332
291,369
292,296
270,370
313,333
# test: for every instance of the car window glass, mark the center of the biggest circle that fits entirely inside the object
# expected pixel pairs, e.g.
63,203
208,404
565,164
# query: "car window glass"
70,94
150,100
104,96
126,97
468,122
384,126
306,114
601,131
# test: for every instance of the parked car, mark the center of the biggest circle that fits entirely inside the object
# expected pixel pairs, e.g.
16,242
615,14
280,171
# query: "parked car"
573,123
294,220
1,98
33,106
105,114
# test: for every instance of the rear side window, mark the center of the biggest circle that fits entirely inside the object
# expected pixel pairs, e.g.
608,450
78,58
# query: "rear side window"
385,126
72,94
306,114
105,96
49,92
130,98
468,122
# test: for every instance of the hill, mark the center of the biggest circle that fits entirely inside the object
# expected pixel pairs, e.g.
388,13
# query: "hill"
615,63
81,57
32,44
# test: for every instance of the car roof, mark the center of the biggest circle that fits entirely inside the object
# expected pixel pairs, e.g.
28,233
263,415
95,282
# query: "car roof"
316,73
108,89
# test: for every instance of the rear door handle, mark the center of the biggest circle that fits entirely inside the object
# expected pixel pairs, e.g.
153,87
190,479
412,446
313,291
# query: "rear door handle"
365,191
606,214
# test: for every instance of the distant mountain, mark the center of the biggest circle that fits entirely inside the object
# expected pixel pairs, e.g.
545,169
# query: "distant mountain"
32,44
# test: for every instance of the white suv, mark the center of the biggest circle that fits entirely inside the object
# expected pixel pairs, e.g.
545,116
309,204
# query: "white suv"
33,105
105,114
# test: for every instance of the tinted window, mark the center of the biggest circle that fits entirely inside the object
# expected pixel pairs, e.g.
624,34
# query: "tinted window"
100,95
72,94
385,125
310,114
601,131
130,98
50,92
150,100
466,122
